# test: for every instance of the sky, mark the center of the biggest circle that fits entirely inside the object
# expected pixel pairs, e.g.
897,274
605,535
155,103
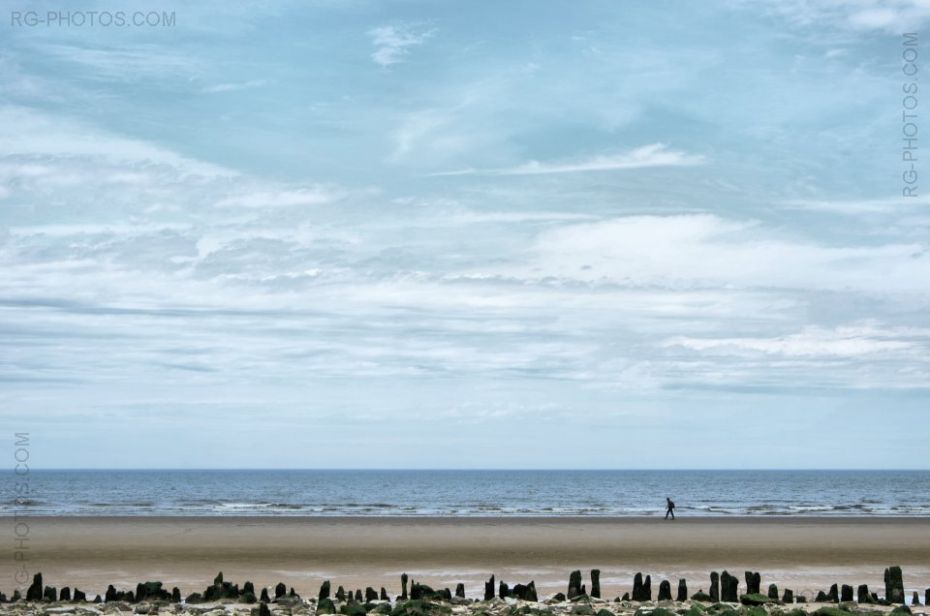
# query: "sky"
421,234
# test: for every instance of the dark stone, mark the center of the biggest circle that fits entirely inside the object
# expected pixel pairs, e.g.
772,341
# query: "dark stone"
422,592
151,591
800,599
264,598
862,594
714,586
384,595
35,592
324,591
504,590
927,597
559,597
821,597
218,580
421,608
894,585
353,609
901,609
280,590
79,595
192,598
915,600
358,595
846,593
642,590
834,594
596,583
604,612
701,596
773,592
263,610
788,596
729,588
682,590
525,592
403,586
756,598
371,594
874,597
665,591
50,593
248,587
574,585
325,606
175,595
17,596
753,583
341,593
489,589
65,594
460,590
248,597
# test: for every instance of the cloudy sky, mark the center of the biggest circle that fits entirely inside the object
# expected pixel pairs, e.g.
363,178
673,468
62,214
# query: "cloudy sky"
433,234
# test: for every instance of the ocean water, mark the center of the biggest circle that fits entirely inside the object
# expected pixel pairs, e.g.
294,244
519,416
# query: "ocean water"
470,493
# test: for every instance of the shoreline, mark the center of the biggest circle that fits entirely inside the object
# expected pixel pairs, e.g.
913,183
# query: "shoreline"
761,518
806,554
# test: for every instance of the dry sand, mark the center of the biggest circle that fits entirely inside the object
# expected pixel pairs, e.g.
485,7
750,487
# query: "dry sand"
801,553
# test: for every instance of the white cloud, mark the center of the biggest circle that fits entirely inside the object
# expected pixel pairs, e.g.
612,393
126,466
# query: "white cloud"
234,86
24,132
652,155
281,198
858,207
895,16
706,250
393,42
841,342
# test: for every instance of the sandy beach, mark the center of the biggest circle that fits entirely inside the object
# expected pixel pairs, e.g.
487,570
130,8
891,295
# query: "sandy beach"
806,554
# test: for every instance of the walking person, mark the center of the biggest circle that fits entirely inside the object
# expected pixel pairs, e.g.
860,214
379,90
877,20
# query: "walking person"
669,508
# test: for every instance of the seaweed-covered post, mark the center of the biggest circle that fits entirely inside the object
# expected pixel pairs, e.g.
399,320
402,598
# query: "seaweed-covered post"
665,591
403,586
753,582
596,583
714,586
894,585
862,594
682,590
574,585
729,588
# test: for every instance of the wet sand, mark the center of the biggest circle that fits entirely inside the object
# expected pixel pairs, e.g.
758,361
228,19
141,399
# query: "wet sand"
802,553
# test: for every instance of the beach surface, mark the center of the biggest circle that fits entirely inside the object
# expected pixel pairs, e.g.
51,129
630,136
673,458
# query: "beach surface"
805,554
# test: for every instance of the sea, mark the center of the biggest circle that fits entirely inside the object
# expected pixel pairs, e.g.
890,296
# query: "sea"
467,493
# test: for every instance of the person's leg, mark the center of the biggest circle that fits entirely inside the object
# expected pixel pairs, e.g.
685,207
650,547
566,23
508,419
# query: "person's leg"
673,513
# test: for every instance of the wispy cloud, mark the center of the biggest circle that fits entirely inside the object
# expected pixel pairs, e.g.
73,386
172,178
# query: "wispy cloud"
234,86
393,42
281,198
652,155
858,207
884,15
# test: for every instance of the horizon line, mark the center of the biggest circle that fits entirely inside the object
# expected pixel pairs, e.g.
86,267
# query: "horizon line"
481,469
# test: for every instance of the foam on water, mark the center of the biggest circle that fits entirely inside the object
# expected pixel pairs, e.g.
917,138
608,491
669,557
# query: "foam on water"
473,493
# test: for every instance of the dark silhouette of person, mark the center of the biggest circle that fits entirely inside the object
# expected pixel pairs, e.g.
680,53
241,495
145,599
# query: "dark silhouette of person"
669,508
